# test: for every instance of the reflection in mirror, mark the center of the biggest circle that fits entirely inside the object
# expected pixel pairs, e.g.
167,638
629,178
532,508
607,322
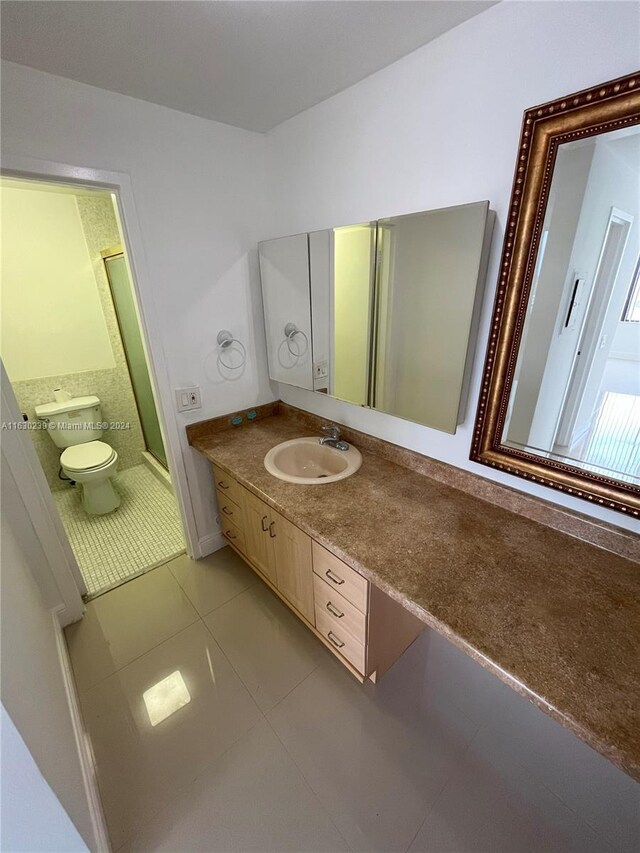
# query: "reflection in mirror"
342,264
394,305
575,395
284,272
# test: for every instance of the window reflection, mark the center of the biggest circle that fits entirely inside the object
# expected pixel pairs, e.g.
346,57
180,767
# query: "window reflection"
166,697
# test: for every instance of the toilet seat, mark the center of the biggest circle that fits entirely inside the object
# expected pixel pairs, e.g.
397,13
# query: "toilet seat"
87,457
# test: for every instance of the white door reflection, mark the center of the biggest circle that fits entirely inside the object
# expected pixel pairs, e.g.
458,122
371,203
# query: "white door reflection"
166,697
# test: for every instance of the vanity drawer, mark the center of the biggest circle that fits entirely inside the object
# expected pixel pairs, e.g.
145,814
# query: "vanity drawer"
229,509
227,485
341,641
341,577
345,616
232,533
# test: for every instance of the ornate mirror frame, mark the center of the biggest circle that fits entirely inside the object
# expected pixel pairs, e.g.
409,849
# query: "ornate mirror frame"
601,109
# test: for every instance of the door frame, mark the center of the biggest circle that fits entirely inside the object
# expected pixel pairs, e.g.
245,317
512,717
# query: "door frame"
593,320
62,591
119,183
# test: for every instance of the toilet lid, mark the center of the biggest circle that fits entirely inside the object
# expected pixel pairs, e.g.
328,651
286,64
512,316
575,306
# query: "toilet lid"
81,457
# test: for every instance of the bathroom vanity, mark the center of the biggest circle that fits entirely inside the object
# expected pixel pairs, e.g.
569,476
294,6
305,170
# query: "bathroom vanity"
546,599
361,625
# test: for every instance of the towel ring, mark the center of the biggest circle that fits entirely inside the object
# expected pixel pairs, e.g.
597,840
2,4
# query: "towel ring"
225,339
290,331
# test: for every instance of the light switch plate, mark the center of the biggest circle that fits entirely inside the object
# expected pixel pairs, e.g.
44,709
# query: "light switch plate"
188,398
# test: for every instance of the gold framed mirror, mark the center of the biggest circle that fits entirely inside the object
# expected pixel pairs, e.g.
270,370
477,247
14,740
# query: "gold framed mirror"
560,398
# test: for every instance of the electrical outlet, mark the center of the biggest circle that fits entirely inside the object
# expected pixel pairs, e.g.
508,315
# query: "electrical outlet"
188,398
320,369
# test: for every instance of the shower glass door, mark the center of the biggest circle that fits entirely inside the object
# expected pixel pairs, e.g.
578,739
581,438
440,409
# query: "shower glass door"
124,304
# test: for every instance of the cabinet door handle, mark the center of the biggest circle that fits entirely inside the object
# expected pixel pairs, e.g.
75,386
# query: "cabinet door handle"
334,610
223,485
333,578
227,511
264,518
336,642
271,533
229,534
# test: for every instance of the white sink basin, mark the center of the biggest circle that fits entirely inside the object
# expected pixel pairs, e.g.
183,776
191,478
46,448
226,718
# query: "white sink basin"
307,462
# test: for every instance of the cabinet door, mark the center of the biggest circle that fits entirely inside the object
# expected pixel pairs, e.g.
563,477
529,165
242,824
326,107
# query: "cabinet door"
258,535
284,272
293,565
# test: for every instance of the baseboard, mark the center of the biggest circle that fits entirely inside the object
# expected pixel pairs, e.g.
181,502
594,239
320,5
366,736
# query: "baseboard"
209,544
100,842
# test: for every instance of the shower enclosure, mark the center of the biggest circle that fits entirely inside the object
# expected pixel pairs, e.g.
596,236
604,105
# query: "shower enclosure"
126,313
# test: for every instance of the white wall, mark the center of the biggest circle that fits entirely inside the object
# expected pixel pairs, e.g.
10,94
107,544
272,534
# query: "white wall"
33,688
199,193
52,320
438,128
32,817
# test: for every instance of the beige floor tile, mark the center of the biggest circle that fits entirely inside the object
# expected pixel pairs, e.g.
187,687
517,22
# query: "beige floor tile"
269,647
125,623
496,805
601,794
377,756
159,722
252,799
214,580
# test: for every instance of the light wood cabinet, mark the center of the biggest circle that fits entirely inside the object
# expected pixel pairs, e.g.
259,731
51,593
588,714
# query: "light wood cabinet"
259,535
281,552
360,624
233,534
229,509
348,618
341,577
227,485
294,570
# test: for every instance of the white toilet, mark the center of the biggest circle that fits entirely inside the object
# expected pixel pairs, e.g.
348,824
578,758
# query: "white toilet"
75,425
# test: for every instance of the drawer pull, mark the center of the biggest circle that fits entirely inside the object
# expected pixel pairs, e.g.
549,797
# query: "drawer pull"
334,610
264,518
229,534
271,533
334,578
227,511
222,484
336,642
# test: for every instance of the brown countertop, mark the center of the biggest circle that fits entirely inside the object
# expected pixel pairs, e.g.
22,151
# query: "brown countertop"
556,618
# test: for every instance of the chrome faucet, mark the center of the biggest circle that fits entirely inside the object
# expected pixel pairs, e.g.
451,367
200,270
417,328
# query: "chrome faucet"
332,437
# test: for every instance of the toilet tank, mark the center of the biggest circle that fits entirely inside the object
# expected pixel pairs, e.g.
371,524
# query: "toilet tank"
74,421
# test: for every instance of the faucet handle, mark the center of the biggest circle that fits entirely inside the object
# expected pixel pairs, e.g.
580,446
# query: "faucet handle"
332,429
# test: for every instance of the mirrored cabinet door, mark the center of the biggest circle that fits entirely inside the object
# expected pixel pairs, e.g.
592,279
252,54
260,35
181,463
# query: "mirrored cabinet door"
284,271
390,312
428,287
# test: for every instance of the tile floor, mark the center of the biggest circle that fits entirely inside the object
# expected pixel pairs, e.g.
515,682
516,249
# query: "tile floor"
268,744
143,532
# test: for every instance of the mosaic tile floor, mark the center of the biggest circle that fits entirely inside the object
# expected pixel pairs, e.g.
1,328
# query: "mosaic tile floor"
143,532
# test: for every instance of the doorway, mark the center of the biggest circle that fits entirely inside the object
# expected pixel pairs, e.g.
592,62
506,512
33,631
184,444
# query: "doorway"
74,353
599,422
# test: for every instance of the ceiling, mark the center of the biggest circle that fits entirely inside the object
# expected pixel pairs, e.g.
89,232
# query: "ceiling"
249,64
